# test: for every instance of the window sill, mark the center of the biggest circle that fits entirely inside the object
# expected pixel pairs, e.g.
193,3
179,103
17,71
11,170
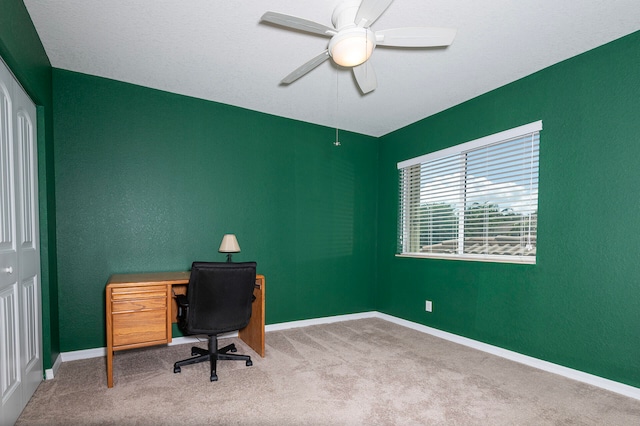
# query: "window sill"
520,260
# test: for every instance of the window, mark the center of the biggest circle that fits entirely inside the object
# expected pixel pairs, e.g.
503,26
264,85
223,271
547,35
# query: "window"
474,201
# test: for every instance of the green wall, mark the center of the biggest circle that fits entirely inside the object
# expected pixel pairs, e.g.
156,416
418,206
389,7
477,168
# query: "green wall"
579,306
150,181
22,51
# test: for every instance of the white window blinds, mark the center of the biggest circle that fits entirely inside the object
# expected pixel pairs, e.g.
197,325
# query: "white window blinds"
476,201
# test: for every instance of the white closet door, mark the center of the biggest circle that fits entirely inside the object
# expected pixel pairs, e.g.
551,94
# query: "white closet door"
28,241
20,297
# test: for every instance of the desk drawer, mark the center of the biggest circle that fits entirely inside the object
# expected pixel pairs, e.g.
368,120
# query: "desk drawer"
140,327
138,292
129,305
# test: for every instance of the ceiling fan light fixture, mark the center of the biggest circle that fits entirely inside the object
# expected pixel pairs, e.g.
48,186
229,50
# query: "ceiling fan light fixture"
352,47
352,41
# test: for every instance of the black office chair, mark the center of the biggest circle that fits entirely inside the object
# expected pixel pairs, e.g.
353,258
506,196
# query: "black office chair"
218,301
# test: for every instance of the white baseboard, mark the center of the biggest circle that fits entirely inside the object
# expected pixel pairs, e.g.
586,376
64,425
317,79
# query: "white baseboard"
316,321
198,339
102,352
83,354
50,373
610,385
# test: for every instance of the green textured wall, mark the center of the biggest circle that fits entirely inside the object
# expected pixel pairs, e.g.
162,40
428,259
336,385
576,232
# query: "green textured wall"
22,51
150,181
579,306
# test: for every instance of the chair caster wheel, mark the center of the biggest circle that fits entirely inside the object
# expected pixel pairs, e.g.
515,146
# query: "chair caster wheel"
214,378
176,369
249,363
233,349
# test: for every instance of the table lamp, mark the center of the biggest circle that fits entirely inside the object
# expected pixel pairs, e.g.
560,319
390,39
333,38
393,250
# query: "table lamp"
229,245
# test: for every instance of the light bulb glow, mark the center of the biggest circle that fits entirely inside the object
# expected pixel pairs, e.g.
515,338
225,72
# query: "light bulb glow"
352,47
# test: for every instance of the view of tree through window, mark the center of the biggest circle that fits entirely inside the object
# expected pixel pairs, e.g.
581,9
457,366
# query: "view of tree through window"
481,200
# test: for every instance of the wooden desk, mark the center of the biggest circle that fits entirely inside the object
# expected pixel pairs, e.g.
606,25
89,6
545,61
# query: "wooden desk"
141,308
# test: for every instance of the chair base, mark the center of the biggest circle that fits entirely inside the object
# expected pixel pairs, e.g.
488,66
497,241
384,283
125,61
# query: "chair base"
212,355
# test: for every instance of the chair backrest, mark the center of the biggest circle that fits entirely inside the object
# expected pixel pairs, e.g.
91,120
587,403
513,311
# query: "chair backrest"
220,296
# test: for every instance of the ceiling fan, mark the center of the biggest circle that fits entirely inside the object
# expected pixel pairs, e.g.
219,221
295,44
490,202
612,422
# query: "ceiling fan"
352,42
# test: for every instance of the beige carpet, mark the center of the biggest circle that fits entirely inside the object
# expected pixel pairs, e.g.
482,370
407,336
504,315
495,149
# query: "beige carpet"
362,372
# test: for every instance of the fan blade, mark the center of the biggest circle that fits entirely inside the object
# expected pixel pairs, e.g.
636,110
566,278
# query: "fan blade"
308,66
365,77
415,37
369,11
298,23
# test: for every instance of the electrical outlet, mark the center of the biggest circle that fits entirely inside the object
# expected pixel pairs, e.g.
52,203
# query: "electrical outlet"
428,306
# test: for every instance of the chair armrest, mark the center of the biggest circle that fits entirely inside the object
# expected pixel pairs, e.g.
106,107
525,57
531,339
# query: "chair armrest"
182,300
183,310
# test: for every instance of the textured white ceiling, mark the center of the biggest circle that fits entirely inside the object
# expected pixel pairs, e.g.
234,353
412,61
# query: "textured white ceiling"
218,50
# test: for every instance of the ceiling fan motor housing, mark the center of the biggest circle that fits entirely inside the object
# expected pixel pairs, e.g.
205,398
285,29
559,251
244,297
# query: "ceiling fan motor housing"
344,15
353,44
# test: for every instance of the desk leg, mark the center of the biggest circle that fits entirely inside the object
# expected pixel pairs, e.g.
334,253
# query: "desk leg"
253,334
109,340
109,368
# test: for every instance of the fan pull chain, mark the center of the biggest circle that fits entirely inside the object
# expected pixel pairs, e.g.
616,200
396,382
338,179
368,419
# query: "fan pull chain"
337,141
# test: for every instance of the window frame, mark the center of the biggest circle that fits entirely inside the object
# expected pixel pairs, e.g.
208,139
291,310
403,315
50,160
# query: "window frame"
459,150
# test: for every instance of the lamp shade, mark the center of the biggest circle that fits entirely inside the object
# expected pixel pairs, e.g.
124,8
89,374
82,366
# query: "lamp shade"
229,244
